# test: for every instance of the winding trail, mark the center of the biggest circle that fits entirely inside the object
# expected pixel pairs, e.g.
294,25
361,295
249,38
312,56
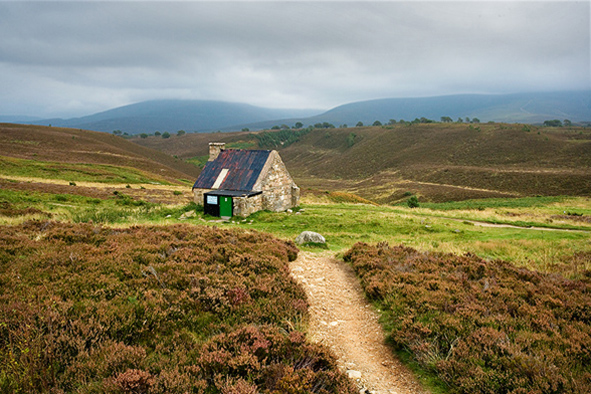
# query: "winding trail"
343,320
506,225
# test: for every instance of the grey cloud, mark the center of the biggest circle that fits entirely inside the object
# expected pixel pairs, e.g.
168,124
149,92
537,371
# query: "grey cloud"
301,54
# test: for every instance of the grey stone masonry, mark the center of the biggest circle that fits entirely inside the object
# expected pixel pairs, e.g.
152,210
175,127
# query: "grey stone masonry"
279,191
214,150
244,206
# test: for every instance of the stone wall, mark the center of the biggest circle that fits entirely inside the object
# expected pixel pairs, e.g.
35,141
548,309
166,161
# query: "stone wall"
279,190
244,206
198,195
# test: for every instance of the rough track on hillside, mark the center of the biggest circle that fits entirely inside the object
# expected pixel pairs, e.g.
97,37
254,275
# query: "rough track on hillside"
343,320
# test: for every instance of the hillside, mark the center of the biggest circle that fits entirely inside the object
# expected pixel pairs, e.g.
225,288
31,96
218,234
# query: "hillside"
447,162
528,108
174,115
211,116
439,162
510,108
61,145
119,296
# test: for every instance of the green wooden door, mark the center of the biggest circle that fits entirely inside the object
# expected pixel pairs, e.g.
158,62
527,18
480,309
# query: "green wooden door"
225,206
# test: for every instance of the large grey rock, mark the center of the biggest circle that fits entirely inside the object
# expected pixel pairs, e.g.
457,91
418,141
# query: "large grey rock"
310,236
187,215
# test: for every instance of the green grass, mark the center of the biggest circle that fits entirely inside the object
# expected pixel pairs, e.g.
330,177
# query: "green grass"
345,224
120,209
75,172
242,145
526,202
198,161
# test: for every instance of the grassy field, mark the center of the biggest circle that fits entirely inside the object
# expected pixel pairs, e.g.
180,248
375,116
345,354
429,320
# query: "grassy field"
560,246
78,150
548,247
76,172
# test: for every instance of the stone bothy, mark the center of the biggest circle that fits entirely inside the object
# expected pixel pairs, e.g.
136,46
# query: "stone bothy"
238,182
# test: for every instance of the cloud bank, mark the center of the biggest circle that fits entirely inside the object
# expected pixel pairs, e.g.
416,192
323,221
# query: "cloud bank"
72,58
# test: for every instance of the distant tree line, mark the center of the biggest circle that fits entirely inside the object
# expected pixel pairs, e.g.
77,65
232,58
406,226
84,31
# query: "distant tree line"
164,135
391,122
557,123
444,119
290,133
300,125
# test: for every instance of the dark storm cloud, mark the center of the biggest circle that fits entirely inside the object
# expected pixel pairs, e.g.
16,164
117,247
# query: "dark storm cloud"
75,58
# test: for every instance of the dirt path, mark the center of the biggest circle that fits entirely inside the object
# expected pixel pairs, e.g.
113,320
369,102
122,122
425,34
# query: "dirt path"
343,320
502,225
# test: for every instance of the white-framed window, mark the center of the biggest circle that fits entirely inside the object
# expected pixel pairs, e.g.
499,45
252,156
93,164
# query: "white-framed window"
212,200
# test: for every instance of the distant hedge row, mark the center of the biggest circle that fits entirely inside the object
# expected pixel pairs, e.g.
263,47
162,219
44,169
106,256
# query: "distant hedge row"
481,326
175,309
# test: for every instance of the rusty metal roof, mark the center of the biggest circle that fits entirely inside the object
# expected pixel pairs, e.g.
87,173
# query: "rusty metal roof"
244,168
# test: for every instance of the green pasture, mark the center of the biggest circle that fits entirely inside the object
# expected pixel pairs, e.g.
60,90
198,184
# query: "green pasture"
75,172
546,247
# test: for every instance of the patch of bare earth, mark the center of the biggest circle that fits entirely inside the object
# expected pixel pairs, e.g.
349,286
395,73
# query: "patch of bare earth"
342,319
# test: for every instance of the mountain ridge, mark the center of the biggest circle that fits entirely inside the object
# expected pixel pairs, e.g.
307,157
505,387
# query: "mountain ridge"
173,115
508,108
210,116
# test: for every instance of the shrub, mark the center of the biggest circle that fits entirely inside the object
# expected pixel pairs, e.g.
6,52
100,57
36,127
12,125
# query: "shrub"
481,326
162,309
413,202
280,138
351,139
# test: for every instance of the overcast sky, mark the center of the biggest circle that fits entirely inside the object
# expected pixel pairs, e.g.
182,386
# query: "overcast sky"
77,58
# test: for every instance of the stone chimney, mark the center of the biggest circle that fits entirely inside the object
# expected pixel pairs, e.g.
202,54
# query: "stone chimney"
214,149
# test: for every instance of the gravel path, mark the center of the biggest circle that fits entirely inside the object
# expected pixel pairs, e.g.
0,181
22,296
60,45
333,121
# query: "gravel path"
343,320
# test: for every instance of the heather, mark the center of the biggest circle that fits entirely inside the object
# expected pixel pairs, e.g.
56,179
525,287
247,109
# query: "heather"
481,326
153,309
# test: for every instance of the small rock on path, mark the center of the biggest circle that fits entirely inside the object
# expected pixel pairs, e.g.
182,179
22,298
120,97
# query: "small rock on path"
343,320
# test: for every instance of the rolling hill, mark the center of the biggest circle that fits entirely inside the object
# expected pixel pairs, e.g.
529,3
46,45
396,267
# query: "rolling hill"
174,115
439,162
210,116
527,108
62,145
447,162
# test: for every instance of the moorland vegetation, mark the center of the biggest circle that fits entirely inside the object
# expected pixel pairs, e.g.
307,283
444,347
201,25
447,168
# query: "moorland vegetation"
438,162
111,280
168,309
481,326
